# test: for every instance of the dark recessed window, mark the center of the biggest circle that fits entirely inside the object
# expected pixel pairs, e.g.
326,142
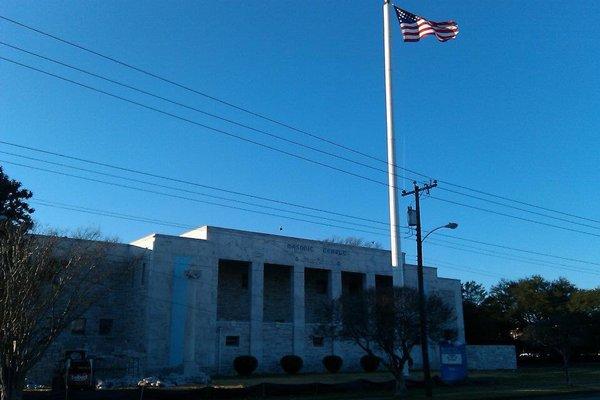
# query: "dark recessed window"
232,341
105,326
322,286
78,326
318,341
244,281
355,287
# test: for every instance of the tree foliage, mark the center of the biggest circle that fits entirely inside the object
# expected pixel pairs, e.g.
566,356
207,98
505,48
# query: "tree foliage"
13,204
353,241
536,315
386,324
46,282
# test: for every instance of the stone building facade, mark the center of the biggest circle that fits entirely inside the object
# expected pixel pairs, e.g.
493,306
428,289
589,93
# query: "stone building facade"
197,301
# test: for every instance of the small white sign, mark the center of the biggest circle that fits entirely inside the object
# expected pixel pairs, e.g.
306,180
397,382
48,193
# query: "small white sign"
452,359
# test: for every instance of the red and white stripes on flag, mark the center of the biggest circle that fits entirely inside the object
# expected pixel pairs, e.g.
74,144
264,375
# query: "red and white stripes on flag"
414,27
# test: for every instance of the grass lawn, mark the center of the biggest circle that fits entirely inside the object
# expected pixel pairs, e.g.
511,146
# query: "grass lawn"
528,381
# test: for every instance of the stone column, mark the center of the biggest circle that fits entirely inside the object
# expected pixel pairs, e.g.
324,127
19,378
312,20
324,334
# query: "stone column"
369,280
298,307
256,309
205,311
335,284
190,366
335,291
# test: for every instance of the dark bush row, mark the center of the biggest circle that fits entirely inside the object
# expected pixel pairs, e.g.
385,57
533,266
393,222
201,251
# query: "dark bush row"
292,364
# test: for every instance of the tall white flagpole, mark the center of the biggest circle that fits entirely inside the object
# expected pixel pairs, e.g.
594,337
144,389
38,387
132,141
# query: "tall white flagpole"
397,261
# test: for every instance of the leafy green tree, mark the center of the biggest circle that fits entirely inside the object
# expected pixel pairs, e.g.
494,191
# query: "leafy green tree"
481,310
473,293
544,313
13,201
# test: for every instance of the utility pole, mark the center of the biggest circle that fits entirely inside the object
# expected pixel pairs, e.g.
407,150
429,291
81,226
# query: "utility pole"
422,310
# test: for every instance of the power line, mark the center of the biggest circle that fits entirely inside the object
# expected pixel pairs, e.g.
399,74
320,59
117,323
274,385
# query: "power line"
514,216
280,150
459,267
536,260
517,201
188,88
111,214
189,191
212,115
517,249
190,199
196,184
278,122
278,201
213,129
303,157
276,149
519,208
493,254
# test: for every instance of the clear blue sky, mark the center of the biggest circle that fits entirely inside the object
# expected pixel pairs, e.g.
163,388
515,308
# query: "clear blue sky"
510,107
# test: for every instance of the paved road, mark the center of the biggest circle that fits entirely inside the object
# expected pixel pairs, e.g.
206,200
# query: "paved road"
595,396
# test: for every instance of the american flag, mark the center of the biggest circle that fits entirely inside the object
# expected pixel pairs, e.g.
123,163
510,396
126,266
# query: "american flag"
414,27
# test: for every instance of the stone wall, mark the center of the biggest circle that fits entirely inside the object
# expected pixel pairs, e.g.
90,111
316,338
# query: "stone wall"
278,339
226,353
120,349
490,357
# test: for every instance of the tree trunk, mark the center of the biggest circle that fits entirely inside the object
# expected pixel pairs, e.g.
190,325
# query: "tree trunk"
11,392
11,387
566,369
400,391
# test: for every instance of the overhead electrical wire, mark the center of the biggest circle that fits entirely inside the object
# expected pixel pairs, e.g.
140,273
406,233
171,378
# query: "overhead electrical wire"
189,198
280,150
245,194
212,115
513,258
276,121
192,183
196,123
514,216
523,258
190,191
246,126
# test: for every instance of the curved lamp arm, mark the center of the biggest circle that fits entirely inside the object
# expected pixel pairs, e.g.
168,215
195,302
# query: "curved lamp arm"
450,225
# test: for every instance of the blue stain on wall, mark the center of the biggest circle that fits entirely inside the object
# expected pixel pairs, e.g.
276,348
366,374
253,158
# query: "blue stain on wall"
178,310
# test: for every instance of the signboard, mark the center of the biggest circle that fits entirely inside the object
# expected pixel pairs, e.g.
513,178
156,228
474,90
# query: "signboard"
453,362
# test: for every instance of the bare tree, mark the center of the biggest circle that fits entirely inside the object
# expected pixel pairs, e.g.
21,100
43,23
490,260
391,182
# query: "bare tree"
386,323
46,282
353,241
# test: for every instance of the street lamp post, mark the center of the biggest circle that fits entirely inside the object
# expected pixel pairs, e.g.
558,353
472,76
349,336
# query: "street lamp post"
422,308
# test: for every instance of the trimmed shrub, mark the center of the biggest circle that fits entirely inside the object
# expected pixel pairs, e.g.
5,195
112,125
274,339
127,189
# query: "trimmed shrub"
333,363
245,365
291,364
369,363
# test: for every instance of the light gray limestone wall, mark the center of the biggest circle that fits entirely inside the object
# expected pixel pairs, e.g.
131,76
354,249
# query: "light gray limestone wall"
226,354
278,339
122,350
182,306
491,357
